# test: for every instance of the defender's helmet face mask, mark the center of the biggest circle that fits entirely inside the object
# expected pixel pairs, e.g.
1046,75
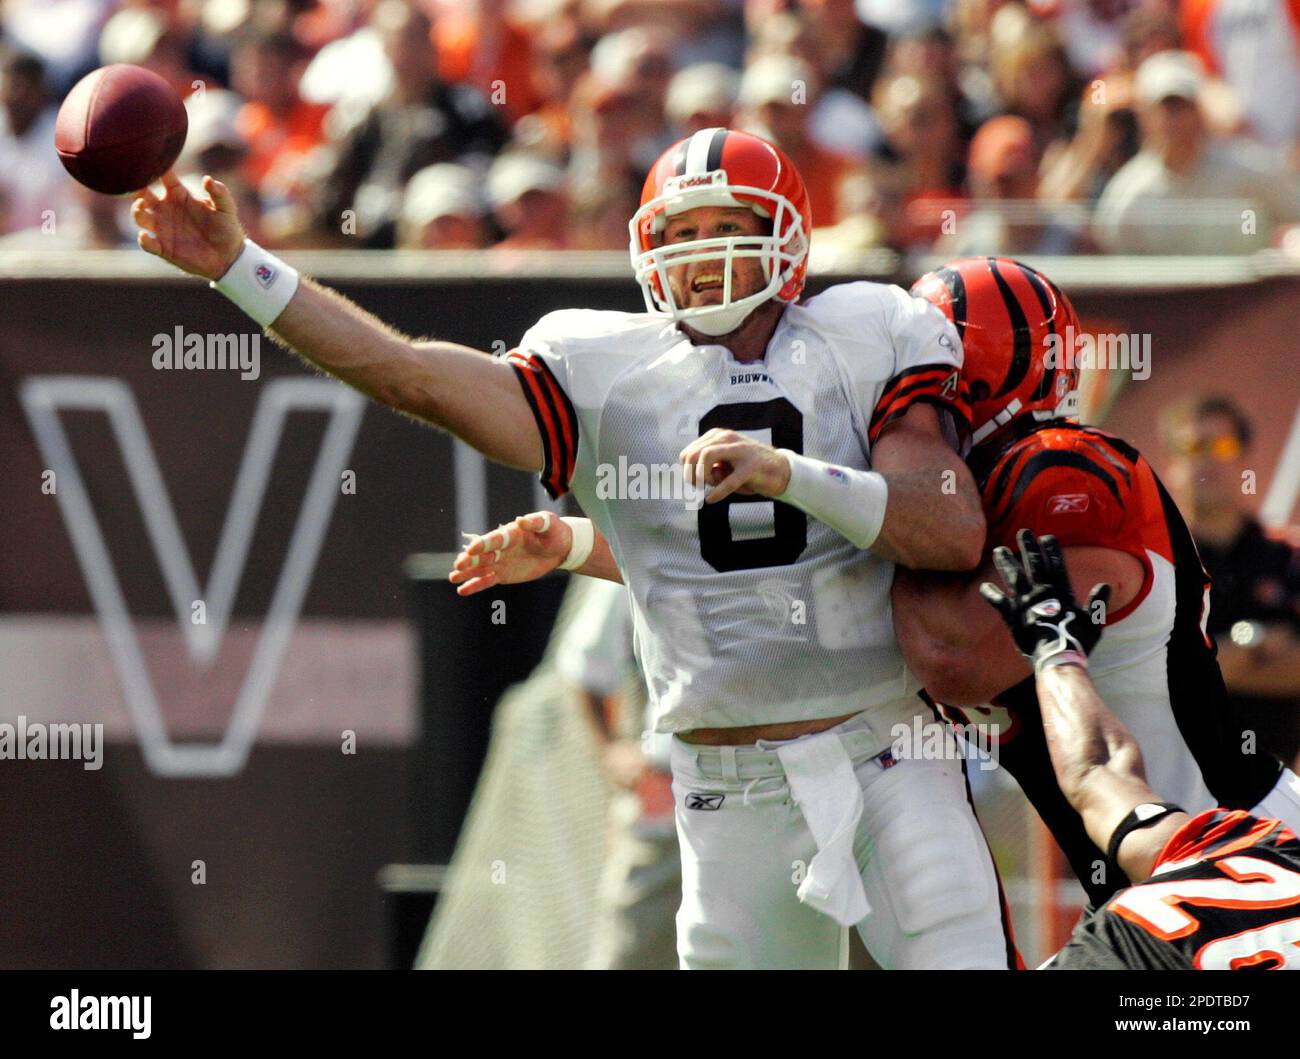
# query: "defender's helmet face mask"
769,186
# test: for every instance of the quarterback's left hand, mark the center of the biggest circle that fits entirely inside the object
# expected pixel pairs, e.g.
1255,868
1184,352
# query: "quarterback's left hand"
1045,620
523,550
732,462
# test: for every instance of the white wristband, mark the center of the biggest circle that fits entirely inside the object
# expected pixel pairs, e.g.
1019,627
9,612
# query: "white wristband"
259,283
851,502
584,540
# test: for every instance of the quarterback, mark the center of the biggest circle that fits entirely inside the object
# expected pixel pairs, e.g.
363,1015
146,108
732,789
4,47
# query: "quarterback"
825,436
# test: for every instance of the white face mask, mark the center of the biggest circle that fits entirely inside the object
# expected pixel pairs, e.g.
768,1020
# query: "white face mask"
780,255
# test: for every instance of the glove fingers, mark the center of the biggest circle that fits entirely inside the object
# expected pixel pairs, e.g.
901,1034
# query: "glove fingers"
1053,560
1013,574
999,599
1034,560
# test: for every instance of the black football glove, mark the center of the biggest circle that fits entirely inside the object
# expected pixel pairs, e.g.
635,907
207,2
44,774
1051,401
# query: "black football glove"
1048,625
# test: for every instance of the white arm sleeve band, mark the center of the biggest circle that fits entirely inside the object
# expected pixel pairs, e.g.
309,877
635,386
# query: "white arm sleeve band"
851,502
259,283
584,540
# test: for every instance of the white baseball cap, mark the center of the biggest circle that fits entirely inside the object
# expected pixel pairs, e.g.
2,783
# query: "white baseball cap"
512,175
1169,73
442,190
774,79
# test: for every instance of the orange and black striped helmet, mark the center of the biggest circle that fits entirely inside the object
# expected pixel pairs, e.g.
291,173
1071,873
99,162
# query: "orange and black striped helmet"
1018,331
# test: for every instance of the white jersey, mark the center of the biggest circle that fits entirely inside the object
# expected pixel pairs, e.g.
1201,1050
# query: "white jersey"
746,612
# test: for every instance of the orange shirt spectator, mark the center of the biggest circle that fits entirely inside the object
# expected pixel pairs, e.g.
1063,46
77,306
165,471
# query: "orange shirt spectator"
275,141
492,55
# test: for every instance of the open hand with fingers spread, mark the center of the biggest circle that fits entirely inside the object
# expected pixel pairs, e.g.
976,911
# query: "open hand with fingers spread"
199,235
1048,625
523,550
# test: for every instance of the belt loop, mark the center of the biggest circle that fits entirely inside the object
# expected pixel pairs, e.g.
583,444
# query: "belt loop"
729,770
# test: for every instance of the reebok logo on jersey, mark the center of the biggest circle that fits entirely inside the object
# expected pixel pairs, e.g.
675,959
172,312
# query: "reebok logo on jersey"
1068,504
708,802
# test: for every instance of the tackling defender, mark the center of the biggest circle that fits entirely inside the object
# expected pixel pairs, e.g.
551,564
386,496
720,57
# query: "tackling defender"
1218,891
1038,468
826,434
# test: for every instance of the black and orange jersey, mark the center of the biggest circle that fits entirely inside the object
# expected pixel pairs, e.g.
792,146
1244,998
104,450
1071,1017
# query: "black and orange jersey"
1224,896
1155,667
1084,487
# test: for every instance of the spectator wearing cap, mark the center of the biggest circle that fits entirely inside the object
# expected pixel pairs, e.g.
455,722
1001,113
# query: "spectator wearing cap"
1255,590
422,121
443,209
702,96
635,64
527,197
841,121
777,94
32,182
1007,218
1184,192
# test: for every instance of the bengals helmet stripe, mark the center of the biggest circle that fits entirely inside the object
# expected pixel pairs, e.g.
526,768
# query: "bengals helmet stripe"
1039,285
1020,336
951,278
1018,332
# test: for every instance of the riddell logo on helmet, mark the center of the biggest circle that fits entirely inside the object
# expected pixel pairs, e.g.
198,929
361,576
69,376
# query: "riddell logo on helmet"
699,180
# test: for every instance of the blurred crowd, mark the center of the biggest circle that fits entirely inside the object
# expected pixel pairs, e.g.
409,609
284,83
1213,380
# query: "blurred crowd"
957,126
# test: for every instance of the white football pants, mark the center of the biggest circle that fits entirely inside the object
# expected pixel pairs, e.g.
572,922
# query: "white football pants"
747,846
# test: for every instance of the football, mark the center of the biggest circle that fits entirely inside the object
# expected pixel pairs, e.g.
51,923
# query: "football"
120,128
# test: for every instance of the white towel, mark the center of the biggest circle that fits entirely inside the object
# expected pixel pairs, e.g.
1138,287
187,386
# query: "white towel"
827,792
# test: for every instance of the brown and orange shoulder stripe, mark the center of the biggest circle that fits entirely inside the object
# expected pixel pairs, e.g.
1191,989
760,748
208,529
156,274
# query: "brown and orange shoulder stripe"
556,419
